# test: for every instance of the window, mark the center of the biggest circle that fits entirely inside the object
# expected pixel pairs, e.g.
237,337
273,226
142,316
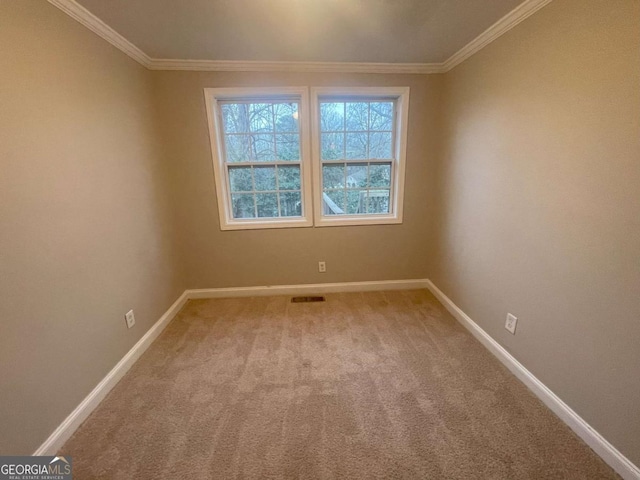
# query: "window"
359,149
260,141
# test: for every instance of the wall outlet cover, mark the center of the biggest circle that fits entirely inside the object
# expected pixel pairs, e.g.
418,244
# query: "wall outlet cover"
130,319
511,323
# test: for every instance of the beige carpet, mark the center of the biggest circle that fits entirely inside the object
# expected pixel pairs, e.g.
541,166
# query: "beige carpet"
366,385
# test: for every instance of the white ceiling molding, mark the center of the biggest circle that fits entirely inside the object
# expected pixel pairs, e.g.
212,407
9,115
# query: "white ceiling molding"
97,26
253,66
502,26
93,23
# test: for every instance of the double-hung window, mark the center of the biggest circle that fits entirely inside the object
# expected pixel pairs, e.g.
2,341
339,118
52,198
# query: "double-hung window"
359,149
260,144
273,146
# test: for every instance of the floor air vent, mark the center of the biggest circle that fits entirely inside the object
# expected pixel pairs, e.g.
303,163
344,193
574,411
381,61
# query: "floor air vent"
306,299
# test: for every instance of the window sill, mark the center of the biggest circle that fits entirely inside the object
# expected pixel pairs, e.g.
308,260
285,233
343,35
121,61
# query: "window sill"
354,220
253,224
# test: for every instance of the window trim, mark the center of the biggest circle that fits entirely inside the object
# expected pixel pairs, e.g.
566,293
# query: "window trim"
401,96
222,185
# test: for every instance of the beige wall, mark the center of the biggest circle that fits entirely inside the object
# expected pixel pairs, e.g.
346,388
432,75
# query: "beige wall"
214,258
521,195
85,230
539,211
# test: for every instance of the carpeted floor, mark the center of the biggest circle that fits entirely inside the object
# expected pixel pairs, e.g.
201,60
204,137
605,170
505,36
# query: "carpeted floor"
363,386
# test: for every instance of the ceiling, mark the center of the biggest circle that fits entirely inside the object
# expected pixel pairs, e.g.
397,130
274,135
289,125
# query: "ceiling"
388,31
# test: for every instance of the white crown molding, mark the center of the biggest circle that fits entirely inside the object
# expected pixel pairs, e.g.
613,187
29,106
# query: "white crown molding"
93,23
97,26
502,26
257,66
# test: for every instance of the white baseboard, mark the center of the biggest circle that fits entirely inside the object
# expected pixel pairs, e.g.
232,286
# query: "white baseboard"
597,442
64,431
616,460
82,411
306,288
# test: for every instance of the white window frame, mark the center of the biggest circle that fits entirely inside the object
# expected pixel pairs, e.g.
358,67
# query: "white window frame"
216,135
401,97
310,159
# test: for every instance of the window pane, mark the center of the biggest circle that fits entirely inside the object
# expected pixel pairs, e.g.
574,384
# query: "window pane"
288,146
242,205
356,146
261,117
263,147
235,117
357,116
286,115
290,204
240,179
357,176
380,175
265,178
380,145
381,116
237,148
355,201
377,201
331,116
289,178
332,147
333,202
333,176
267,204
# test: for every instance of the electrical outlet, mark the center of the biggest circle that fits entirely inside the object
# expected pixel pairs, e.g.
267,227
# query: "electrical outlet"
511,323
130,319
322,267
